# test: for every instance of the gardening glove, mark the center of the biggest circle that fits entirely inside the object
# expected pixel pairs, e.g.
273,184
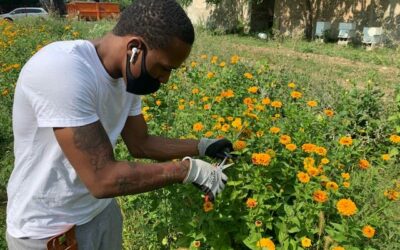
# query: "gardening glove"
216,148
210,179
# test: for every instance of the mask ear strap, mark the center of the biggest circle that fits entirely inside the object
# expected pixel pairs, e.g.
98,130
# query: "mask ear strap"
134,51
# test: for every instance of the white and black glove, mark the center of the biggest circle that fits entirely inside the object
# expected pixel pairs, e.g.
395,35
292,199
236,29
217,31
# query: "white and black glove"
210,179
216,148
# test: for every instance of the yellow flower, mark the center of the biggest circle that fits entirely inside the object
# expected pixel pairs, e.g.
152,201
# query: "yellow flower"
198,127
305,242
266,101
248,75
312,103
5,92
295,95
345,176
320,196
346,141
181,107
75,34
274,130
158,102
214,59
320,151
332,185
363,164
210,75
234,59
338,248
225,127
195,91
291,85
251,203
227,94
308,162
253,89
265,243
346,184
196,244
203,56
308,147
312,171
258,223
368,231
276,104
346,207
261,159
193,64
207,106
285,139
385,157
291,147
222,64
394,138
303,177
391,194
324,161
208,134
239,145
329,112
208,206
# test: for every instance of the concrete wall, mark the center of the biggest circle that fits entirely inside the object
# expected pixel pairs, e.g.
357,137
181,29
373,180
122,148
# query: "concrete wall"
290,15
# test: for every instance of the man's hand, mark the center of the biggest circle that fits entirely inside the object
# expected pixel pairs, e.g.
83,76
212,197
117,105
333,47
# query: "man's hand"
216,148
210,179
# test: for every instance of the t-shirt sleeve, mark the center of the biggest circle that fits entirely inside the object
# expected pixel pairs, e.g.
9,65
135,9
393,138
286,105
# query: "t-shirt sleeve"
62,91
136,108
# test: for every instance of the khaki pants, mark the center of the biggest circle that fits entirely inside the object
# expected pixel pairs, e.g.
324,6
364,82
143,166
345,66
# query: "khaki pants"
104,232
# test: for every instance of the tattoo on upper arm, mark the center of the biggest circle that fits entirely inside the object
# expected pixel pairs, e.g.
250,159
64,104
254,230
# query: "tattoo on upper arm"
94,140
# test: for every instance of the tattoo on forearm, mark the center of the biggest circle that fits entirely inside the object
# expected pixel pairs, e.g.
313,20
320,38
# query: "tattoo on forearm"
94,140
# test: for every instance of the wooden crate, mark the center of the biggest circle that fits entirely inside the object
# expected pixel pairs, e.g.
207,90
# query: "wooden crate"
92,10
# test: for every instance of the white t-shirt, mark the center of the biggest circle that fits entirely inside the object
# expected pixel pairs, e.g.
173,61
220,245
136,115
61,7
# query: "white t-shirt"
63,85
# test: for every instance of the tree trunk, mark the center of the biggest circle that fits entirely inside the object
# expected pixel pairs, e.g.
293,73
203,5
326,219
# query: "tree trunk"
309,19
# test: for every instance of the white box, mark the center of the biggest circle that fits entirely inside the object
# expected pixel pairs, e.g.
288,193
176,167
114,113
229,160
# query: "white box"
321,28
372,35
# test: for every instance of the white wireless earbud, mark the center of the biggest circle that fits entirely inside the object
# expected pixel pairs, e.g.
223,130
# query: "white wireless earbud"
134,51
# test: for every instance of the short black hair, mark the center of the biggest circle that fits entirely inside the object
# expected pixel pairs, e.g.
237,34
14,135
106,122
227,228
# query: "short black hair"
156,21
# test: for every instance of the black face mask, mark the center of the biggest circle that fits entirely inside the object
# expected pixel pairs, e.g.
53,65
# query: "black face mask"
143,85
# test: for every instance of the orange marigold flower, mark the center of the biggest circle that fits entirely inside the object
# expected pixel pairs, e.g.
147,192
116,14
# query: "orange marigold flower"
208,206
345,176
196,244
261,159
338,248
207,106
251,203
214,59
296,95
203,56
198,126
320,196
258,223
274,130
305,242
247,101
320,151
265,243
266,101
346,141
227,94
312,171
276,104
208,134
234,59
385,157
253,89
394,138
248,75
291,147
181,107
222,64
312,103
158,102
303,177
368,231
332,185
210,75
391,194
324,161
239,145
308,147
193,64
285,139
237,123
363,164
346,207
291,85
225,127
195,91
329,112
346,184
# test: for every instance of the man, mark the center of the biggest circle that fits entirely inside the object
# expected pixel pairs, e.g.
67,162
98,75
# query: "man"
72,100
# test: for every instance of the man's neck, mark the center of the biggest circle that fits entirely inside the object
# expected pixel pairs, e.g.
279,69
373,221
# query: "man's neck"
107,49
